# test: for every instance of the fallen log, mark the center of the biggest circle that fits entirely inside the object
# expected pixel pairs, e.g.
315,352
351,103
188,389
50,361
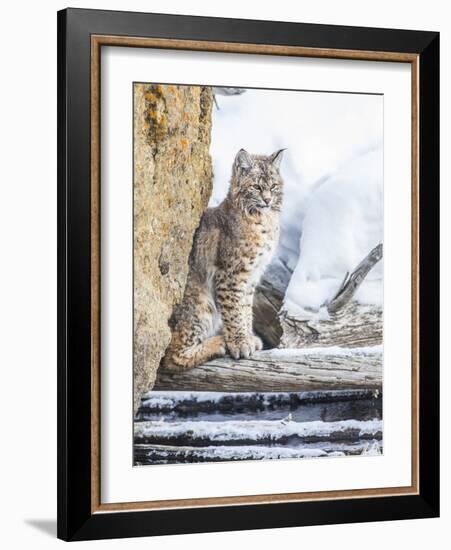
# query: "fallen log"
186,402
172,454
282,370
250,432
347,322
329,406
354,325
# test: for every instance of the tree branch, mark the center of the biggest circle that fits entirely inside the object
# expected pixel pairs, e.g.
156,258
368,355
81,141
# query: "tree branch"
352,282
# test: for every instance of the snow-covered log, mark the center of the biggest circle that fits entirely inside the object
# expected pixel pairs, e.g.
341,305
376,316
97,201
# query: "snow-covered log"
186,402
167,454
283,370
250,432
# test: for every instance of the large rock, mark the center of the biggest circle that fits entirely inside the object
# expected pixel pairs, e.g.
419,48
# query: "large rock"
172,186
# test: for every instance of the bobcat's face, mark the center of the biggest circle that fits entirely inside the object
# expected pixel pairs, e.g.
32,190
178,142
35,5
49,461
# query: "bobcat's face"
256,183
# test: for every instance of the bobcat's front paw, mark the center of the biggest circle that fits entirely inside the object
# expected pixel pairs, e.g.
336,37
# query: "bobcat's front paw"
216,346
243,346
258,344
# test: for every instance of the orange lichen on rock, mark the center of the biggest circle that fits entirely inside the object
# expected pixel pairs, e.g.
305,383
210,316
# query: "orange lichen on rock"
184,144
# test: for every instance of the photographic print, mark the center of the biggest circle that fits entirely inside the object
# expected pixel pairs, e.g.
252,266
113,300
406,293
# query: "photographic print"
258,274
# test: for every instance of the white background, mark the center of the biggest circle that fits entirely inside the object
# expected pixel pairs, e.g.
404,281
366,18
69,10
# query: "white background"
120,482
28,275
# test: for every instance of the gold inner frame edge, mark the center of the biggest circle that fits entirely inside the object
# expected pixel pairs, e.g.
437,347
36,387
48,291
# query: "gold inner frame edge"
97,41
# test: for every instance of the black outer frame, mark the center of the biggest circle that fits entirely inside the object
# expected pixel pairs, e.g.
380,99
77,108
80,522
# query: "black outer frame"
75,520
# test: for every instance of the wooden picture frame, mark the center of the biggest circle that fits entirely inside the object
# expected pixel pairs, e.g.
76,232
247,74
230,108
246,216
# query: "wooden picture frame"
81,35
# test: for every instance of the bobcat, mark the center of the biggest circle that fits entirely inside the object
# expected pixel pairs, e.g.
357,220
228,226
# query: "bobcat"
232,247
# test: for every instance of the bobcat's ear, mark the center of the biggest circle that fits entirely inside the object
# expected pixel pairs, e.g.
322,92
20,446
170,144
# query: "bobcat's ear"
243,160
276,158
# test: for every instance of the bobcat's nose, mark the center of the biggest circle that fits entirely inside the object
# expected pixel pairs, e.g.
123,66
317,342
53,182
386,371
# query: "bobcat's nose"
266,200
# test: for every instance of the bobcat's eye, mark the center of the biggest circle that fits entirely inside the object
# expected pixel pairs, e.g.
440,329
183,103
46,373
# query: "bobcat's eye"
273,187
257,187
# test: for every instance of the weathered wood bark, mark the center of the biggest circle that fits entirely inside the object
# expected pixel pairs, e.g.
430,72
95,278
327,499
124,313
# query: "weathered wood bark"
354,325
267,371
268,300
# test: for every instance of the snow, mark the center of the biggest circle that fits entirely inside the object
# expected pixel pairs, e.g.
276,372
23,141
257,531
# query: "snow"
280,353
253,430
164,399
333,172
343,222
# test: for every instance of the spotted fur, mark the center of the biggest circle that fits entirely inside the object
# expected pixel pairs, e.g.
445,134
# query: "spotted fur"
232,247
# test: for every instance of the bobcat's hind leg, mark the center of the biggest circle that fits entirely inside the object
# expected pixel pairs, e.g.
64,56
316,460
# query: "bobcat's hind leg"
192,356
195,339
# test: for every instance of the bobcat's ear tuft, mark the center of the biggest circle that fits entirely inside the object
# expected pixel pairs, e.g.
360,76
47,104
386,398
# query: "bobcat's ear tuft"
276,158
243,160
